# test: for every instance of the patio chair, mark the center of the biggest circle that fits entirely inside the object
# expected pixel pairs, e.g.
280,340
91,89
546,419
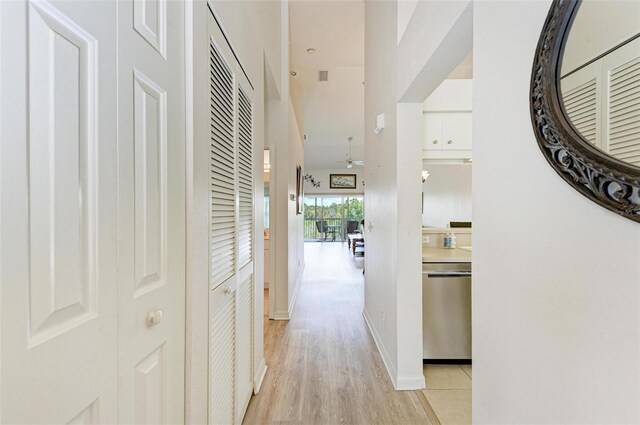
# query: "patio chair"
352,227
324,229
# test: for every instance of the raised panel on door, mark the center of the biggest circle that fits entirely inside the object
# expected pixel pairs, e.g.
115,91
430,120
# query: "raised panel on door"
151,214
432,131
59,311
456,130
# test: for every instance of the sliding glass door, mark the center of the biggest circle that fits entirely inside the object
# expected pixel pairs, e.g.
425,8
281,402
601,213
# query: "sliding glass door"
327,217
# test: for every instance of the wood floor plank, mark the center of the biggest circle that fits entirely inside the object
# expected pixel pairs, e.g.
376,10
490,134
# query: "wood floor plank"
324,367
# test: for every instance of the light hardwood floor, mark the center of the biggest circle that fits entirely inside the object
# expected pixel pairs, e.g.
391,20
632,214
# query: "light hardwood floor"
324,367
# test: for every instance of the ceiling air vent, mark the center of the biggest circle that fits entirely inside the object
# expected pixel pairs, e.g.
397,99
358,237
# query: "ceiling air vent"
323,76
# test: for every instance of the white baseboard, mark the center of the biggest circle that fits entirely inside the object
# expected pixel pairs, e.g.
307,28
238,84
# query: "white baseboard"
260,377
400,383
391,370
411,383
280,315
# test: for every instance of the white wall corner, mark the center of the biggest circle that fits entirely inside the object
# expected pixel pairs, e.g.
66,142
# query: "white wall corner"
259,378
388,364
294,298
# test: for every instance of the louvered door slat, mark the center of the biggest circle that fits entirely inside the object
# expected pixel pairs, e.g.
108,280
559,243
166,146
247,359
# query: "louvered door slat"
222,372
245,179
223,172
580,104
244,336
624,112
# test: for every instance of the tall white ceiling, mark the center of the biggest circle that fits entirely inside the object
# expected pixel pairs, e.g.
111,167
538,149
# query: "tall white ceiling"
334,110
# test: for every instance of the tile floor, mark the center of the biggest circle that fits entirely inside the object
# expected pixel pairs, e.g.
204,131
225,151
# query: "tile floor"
449,392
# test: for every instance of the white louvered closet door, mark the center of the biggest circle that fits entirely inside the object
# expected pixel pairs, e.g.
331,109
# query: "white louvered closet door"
231,303
580,93
622,68
244,324
222,313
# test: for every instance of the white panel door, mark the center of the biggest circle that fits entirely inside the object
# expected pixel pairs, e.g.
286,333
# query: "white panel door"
58,197
151,212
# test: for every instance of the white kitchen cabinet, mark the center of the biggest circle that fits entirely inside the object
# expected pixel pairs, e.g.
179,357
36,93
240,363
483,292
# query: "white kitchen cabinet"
447,131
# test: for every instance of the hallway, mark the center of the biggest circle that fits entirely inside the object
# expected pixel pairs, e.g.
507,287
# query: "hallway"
324,367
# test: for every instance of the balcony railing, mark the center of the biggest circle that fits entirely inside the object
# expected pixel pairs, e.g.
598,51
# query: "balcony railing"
311,233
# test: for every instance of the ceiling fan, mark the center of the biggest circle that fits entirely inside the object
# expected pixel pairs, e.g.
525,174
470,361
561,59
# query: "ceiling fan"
350,161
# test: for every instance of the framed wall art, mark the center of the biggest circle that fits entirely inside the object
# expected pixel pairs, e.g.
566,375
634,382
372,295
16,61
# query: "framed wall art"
342,181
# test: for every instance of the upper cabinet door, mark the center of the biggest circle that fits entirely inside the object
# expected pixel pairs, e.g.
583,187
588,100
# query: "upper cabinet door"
432,131
59,202
456,131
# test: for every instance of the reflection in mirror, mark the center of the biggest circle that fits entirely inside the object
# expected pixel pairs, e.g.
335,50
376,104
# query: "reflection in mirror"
600,76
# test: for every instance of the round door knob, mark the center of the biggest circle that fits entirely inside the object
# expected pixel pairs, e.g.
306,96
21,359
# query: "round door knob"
435,142
155,317
226,290
449,142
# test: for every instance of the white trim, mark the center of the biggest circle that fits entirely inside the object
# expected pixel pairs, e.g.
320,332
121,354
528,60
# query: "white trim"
391,370
407,383
281,315
259,378
400,383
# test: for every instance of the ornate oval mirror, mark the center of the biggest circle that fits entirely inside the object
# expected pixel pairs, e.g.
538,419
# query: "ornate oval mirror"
585,99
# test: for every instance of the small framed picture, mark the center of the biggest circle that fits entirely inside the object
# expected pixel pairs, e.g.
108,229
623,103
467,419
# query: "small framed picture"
342,181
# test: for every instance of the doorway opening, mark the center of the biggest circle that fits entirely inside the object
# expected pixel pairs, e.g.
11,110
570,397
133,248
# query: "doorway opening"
330,218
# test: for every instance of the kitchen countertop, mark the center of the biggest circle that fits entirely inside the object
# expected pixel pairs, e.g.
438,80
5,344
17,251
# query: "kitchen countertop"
431,254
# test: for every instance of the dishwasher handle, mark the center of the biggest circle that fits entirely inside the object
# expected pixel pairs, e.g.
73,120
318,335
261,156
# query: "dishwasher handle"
448,273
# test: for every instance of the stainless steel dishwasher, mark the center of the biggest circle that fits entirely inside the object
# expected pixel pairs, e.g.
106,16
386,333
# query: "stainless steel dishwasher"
446,312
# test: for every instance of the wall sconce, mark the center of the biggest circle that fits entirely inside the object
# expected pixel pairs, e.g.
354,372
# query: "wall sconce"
425,176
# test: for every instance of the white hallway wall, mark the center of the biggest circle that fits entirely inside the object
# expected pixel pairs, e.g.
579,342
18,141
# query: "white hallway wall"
556,322
407,71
